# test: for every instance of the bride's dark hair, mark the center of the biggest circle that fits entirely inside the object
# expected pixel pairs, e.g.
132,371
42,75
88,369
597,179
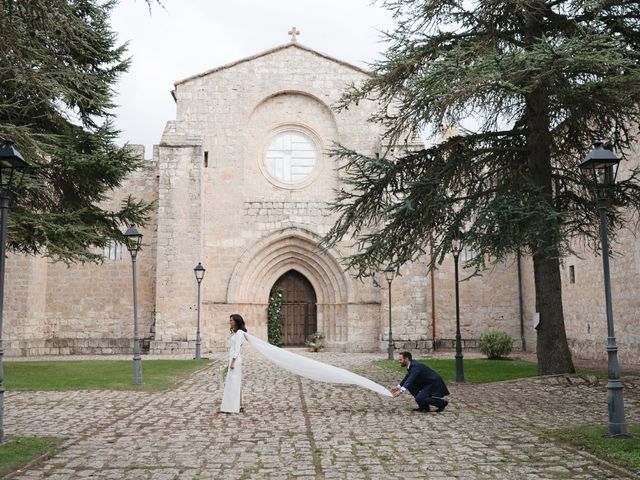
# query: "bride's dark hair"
239,321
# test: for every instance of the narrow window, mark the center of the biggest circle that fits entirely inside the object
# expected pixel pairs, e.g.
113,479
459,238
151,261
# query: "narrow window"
112,251
206,159
468,253
572,274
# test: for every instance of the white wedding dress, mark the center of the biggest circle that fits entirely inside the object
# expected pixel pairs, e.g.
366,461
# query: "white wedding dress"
233,382
298,364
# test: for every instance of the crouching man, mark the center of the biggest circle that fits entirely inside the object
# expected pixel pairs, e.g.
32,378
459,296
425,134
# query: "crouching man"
426,386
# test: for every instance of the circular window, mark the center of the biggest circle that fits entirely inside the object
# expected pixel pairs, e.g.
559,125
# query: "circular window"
291,157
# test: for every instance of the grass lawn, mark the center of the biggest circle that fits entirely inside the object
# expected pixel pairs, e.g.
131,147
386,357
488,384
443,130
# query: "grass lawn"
621,451
96,374
478,370
19,451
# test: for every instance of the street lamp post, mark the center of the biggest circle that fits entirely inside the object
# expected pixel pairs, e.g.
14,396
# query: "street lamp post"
199,271
602,164
456,248
389,274
12,167
133,245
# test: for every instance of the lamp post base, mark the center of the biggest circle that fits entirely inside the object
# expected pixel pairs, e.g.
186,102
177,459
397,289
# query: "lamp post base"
137,371
615,402
459,369
137,362
618,435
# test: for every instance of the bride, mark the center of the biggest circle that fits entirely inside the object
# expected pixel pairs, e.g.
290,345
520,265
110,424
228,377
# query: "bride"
232,396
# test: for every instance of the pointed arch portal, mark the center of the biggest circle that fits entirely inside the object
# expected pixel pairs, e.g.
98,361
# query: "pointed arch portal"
296,250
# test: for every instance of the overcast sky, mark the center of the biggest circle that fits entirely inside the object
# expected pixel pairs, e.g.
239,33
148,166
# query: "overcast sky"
187,37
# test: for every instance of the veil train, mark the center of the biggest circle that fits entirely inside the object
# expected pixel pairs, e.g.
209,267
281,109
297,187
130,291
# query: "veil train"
306,367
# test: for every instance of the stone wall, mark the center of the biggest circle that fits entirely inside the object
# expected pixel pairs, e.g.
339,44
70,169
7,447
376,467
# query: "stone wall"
422,302
24,316
179,247
583,297
55,308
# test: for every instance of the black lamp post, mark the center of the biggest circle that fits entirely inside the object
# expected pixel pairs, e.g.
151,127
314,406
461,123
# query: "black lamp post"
12,167
456,248
602,164
199,271
389,274
134,242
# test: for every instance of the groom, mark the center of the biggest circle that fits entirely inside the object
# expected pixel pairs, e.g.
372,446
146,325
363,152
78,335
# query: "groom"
424,384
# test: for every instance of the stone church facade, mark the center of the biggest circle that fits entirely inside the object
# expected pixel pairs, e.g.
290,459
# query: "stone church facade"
242,182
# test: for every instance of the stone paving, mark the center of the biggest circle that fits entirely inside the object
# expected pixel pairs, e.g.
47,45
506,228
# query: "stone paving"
297,429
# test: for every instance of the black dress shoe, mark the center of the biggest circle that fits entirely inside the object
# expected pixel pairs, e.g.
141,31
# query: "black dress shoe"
439,409
421,409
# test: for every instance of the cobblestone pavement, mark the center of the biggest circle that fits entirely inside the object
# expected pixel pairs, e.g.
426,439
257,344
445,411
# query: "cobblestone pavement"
294,428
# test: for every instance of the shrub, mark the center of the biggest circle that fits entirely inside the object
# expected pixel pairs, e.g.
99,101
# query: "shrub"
316,342
496,344
274,317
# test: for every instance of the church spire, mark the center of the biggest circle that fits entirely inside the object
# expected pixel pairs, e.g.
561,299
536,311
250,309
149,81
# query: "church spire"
294,32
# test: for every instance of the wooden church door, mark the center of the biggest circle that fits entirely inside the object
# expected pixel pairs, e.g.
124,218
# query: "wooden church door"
298,308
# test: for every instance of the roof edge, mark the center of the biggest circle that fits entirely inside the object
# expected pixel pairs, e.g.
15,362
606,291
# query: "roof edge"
268,52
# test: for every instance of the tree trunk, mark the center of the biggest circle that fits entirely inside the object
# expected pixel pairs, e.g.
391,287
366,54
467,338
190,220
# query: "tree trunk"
554,355
553,350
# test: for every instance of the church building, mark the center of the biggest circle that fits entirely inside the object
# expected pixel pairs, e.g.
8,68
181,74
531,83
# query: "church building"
242,181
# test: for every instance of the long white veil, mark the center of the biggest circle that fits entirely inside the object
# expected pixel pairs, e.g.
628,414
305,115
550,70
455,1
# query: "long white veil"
312,369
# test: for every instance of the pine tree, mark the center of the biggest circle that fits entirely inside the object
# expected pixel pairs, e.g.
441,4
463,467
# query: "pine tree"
529,86
59,62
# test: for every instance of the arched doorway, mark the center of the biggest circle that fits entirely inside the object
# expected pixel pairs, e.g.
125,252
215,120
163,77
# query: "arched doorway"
299,317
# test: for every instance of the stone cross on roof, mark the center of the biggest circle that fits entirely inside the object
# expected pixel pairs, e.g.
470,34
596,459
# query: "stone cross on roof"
294,32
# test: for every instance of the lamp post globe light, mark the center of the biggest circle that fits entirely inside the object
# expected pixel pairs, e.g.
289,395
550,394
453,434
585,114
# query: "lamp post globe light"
602,166
199,271
12,167
456,248
134,242
389,274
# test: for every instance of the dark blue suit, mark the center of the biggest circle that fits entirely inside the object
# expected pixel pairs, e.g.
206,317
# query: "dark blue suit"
425,385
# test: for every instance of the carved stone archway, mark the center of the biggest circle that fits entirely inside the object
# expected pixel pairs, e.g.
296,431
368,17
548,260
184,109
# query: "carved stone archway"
296,249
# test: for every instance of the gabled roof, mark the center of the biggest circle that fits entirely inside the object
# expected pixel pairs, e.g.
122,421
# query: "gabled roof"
269,52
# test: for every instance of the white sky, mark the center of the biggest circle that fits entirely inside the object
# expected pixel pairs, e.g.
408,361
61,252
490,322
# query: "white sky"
191,36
